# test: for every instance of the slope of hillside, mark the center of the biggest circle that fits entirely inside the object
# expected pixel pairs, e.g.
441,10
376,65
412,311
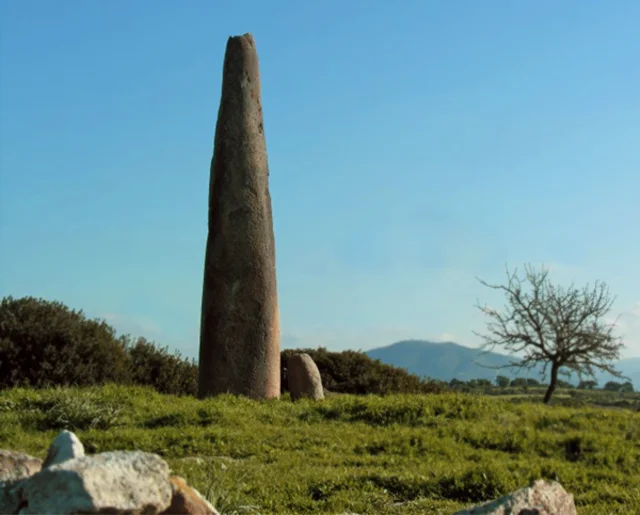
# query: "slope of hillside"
446,361
443,361
630,367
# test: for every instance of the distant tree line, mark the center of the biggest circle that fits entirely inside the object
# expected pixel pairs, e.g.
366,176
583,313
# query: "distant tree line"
521,382
45,343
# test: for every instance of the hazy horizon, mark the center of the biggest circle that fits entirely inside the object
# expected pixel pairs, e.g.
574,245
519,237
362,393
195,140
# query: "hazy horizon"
412,148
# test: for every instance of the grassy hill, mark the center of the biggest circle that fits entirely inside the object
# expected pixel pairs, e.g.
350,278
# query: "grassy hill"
396,454
443,361
446,361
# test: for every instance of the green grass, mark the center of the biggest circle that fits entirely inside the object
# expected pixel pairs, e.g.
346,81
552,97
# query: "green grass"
347,454
572,397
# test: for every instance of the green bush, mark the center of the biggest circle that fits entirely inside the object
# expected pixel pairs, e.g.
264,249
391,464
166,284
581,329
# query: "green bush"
167,373
44,343
356,373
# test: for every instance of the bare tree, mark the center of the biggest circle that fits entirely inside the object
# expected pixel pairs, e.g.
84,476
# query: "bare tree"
563,329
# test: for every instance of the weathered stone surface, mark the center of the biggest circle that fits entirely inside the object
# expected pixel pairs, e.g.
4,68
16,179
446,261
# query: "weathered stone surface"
112,482
187,500
539,498
304,377
65,446
9,496
14,468
17,465
239,333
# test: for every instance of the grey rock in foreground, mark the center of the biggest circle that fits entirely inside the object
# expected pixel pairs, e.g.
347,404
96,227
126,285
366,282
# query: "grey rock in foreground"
115,483
112,482
9,497
239,328
65,446
540,498
14,468
304,377
17,465
138,483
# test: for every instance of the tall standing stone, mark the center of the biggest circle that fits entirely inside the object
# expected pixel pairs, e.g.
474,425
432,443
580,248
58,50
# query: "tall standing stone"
239,333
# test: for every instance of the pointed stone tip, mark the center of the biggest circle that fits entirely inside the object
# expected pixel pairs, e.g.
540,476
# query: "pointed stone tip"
247,36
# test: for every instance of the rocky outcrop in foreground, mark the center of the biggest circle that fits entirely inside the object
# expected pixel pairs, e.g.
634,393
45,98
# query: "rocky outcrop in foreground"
118,482
139,483
539,498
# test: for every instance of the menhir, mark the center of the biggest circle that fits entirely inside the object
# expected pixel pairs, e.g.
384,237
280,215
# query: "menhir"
239,334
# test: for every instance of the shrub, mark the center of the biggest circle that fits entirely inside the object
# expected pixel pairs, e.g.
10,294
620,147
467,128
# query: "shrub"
564,384
356,373
502,381
44,343
167,373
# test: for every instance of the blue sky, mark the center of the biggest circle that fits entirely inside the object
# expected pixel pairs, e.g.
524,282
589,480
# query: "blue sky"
412,145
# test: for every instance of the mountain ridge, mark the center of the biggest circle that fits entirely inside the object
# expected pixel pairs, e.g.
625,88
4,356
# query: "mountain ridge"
449,360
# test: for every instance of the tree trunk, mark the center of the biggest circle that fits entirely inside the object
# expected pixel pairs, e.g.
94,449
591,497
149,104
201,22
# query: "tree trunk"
552,384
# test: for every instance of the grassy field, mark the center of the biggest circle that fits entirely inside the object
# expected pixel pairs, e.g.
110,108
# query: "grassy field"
573,397
396,454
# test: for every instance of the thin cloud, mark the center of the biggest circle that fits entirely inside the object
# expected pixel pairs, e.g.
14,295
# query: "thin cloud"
628,326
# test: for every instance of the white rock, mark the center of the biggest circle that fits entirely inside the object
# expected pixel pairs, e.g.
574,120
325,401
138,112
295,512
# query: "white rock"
66,446
17,465
541,498
112,482
14,468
